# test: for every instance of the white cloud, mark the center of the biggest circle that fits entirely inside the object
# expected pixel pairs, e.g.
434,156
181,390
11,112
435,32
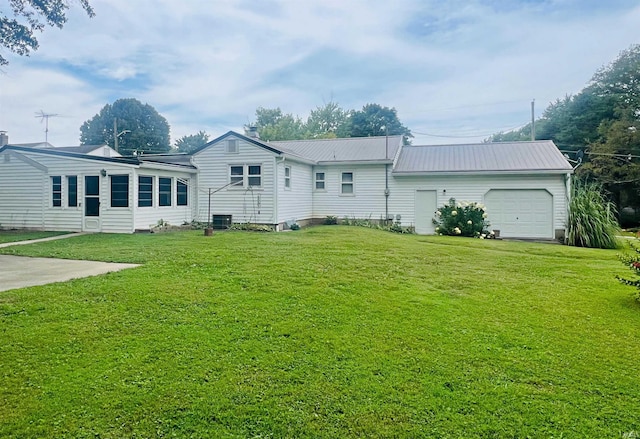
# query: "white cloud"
455,68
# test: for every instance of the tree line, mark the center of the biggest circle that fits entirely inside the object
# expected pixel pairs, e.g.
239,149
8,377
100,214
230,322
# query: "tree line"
137,128
599,128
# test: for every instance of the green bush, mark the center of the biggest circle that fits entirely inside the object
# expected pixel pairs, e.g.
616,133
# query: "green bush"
633,262
592,218
251,227
331,220
462,219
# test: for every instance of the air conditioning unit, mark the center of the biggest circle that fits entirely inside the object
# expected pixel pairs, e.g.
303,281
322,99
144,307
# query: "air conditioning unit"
221,222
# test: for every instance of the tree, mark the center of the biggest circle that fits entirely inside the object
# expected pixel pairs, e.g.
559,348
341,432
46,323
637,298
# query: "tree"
28,16
191,142
375,120
328,121
272,124
140,128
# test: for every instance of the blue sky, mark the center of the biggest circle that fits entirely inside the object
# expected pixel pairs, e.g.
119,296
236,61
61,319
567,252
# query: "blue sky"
455,71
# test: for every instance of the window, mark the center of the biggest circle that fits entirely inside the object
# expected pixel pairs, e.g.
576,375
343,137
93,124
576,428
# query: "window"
145,191
236,176
56,191
255,175
119,190
320,181
72,191
347,183
287,177
181,190
164,191
232,146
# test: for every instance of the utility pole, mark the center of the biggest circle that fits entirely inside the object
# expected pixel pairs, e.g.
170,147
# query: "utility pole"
533,120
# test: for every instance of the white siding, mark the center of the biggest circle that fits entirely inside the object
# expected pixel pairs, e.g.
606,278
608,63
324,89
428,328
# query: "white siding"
367,201
245,205
295,203
26,195
473,189
149,216
22,194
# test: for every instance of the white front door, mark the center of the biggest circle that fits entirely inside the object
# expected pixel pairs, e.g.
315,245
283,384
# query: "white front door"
425,208
91,218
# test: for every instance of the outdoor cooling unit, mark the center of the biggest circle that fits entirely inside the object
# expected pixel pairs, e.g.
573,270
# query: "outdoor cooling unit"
221,222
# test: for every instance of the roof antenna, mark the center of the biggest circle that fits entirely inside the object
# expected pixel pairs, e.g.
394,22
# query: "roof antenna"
45,117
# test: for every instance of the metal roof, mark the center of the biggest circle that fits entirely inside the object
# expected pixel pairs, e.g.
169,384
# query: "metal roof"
534,156
344,149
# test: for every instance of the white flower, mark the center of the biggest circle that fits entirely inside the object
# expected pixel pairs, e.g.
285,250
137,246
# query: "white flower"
484,215
483,236
480,206
454,212
457,231
437,229
438,213
492,232
469,222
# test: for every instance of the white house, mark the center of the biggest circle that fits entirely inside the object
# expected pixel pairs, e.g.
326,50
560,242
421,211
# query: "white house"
237,178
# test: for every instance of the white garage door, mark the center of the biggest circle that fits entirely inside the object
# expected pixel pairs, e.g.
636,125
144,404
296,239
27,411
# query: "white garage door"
520,213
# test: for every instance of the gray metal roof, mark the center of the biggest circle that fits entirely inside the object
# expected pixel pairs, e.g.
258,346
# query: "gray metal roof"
340,150
541,155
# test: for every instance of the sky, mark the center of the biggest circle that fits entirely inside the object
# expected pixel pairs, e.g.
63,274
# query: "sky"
455,71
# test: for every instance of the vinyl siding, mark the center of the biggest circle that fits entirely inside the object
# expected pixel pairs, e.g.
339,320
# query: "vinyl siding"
245,205
295,203
473,189
367,201
22,197
25,195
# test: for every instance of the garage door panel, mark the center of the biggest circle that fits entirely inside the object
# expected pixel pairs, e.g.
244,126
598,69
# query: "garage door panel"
520,213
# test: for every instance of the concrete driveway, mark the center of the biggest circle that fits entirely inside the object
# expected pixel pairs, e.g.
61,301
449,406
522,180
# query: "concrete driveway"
22,271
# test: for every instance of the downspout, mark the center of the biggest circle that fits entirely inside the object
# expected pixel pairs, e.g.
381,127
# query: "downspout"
386,178
276,189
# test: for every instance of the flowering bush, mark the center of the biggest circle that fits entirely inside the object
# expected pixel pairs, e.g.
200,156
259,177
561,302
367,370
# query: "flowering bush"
462,219
633,262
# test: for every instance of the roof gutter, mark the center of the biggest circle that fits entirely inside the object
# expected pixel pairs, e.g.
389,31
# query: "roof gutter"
491,172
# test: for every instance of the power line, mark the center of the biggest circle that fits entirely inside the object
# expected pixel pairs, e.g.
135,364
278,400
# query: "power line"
468,135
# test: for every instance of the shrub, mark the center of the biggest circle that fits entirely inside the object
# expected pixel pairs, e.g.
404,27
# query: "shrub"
294,226
395,227
633,262
251,227
331,220
592,218
462,219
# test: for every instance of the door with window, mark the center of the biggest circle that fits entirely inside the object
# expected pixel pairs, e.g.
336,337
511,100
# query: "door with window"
91,221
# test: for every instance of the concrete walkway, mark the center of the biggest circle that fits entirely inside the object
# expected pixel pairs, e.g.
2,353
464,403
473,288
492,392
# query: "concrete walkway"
22,271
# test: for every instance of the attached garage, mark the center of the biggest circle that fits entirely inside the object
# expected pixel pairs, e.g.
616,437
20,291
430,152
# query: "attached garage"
520,213
524,185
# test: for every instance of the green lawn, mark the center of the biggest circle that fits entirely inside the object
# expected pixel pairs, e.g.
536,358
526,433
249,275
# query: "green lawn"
21,235
327,332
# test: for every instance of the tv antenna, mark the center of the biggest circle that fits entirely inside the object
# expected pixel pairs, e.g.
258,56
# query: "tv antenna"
44,117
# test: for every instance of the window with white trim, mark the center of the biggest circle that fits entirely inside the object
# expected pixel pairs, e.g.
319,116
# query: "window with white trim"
232,146
56,191
164,191
145,191
72,190
346,181
236,176
287,177
255,176
182,193
320,181
119,190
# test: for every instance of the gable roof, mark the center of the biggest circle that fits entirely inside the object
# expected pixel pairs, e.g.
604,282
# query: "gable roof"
534,156
349,149
325,151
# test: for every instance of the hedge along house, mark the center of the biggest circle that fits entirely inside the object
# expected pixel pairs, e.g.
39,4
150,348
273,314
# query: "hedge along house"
524,185
56,190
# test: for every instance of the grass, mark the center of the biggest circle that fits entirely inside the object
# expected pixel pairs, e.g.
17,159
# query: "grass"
21,235
326,332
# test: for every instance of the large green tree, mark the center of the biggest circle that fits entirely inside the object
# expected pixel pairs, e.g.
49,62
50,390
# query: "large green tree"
273,124
328,121
18,27
376,120
140,128
191,142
